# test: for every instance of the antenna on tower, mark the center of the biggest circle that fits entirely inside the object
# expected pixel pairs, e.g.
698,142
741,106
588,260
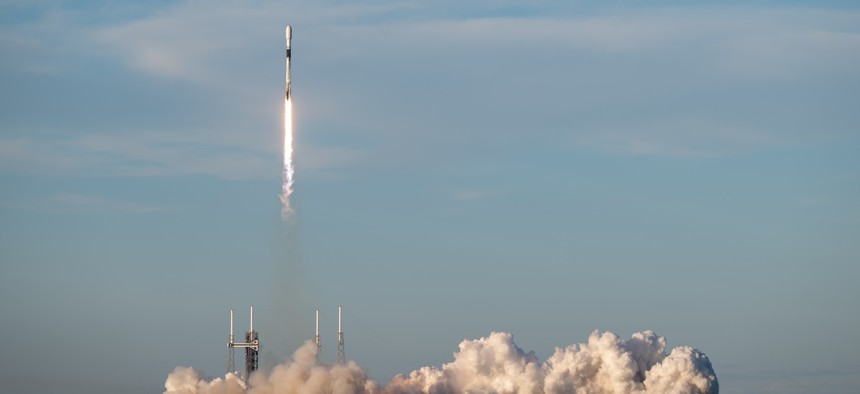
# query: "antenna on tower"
317,335
251,350
341,357
251,346
231,351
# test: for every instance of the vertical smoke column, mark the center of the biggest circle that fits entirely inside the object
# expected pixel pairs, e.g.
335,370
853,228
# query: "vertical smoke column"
287,188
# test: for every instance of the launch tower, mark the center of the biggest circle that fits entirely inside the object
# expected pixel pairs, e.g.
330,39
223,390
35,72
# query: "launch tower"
317,335
251,346
341,357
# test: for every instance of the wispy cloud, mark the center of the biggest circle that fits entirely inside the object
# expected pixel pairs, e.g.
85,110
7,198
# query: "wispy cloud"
197,41
146,154
79,203
203,42
647,81
690,138
182,42
160,154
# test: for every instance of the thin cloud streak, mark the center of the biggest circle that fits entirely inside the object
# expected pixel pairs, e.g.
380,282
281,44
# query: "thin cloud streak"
73,203
685,138
157,154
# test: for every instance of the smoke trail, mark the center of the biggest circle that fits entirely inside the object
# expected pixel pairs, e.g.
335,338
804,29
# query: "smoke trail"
287,187
491,365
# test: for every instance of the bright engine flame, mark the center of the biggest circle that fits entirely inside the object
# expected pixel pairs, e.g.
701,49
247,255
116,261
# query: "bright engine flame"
287,188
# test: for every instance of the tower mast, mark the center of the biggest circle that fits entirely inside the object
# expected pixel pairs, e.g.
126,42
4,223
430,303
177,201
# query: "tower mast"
317,334
251,346
341,357
231,351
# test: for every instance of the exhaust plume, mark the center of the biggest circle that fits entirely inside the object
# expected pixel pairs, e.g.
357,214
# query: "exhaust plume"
606,364
287,187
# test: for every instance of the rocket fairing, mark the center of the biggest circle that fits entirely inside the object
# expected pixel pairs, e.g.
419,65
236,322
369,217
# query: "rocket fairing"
289,38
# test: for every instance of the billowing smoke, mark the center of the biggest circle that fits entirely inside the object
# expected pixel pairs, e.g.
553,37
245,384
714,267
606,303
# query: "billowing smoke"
606,364
185,380
491,365
301,374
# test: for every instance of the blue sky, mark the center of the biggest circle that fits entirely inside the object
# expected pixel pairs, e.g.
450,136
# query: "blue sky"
530,167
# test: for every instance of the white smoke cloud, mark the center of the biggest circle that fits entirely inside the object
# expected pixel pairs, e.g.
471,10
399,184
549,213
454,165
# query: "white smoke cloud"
305,375
608,364
185,380
492,365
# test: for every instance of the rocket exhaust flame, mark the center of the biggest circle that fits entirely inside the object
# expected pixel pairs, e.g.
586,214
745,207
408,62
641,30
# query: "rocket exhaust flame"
287,187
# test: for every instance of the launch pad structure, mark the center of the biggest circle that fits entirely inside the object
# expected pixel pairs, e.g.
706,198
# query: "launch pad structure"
251,346
317,335
341,356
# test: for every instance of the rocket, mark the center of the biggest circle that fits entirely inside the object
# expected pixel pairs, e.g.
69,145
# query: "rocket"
289,38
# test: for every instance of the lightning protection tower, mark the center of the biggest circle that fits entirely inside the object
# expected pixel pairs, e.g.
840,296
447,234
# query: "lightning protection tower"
317,335
341,357
231,350
251,346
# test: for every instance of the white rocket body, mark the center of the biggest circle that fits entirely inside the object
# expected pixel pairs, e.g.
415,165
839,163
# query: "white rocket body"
289,37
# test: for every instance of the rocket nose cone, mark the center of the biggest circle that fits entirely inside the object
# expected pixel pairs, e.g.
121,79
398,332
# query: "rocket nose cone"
289,32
